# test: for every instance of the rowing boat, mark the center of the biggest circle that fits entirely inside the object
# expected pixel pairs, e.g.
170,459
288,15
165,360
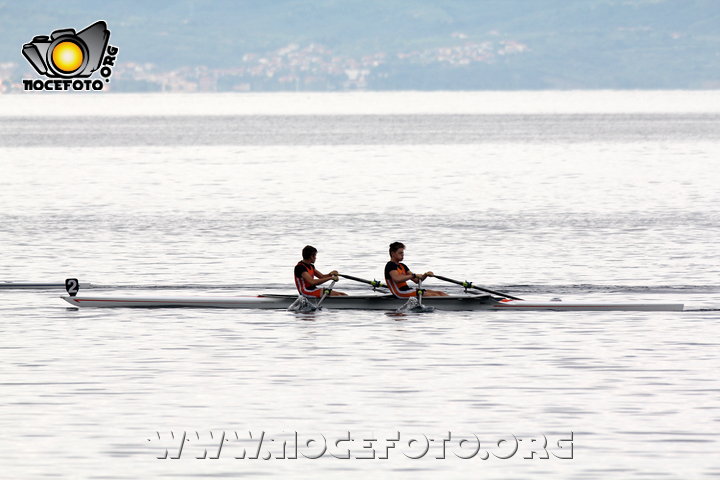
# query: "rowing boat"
361,302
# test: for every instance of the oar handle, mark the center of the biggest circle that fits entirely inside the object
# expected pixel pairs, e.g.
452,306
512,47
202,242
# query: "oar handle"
466,285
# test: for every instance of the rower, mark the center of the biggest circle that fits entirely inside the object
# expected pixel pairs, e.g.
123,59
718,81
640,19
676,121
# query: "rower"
307,277
397,274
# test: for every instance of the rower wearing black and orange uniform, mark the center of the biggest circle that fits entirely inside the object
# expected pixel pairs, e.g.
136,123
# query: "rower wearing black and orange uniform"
307,277
397,274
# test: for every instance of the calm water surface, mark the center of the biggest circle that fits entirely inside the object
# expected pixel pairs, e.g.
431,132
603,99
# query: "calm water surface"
604,204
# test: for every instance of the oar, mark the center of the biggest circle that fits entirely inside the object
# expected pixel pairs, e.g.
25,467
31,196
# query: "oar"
373,283
420,293
325,294
467,285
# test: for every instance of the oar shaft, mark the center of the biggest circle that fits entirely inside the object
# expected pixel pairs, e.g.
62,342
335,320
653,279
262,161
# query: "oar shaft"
470,285
357,279
450,280
372,283
325,294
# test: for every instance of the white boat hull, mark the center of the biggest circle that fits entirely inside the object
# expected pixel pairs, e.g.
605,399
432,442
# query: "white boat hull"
360,302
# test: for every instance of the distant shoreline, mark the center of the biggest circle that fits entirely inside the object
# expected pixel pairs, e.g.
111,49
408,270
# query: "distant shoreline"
363,103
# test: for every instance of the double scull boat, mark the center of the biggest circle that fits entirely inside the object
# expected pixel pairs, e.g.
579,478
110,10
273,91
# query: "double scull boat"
361,302
488,300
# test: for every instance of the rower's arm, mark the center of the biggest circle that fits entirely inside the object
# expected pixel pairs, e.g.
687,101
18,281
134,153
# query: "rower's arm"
398,277
316,281
313,281
417,278
326,276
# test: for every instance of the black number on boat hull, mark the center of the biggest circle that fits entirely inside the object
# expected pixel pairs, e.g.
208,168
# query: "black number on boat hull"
72,286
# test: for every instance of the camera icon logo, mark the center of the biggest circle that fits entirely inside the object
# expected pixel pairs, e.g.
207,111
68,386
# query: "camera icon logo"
68,54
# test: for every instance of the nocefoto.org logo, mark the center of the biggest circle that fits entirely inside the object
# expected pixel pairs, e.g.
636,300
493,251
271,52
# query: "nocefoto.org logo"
69,56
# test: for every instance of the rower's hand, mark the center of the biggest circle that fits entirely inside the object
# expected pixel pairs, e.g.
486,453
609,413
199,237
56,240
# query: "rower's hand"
429,274
335,278
334,273
421,277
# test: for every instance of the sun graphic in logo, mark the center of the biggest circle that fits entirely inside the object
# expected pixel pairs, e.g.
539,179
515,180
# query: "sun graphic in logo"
67,56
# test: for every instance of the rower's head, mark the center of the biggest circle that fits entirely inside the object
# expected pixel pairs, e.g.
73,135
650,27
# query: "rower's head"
397,251
309,254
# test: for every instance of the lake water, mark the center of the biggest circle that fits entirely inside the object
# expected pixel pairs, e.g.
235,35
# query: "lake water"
607,196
